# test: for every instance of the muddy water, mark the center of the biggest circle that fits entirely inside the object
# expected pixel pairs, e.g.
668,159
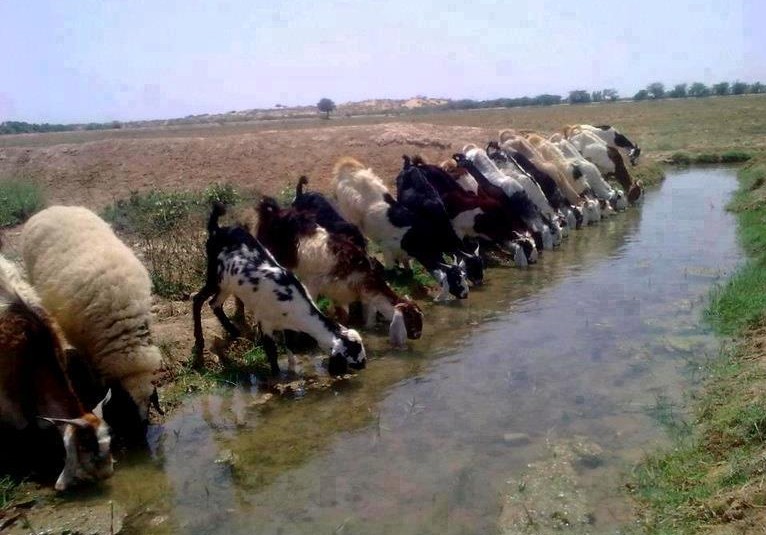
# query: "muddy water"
594,342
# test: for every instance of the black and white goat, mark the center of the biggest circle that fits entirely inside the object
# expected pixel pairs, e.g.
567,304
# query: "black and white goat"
414,191
365,201
239,265
473,213
325,214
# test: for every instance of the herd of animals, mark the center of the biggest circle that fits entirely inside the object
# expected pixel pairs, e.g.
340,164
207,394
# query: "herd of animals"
75,322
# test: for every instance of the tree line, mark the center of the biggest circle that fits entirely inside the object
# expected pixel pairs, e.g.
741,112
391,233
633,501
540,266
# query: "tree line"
20,127
656,90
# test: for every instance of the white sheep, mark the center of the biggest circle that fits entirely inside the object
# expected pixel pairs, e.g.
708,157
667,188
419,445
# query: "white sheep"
100,294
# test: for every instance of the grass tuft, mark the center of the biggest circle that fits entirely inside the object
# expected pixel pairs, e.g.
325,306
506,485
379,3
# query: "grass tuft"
20,198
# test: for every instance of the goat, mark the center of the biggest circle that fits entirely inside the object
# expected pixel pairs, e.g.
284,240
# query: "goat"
238,264
592,175
607,158
572,173
610,136
518,209
34,388
330,264
325,214
472,213
416,194
506,163
484,169
364,200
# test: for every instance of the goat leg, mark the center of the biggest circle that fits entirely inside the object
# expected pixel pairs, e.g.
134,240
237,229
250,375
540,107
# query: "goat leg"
270,348
199,340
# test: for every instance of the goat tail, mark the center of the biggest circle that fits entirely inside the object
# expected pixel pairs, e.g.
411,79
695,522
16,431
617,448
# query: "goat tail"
218,210
302,181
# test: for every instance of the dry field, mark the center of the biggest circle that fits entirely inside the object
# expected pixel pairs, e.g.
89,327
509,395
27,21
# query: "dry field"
95,168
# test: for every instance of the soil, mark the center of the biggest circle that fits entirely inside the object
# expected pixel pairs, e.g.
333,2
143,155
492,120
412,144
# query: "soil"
96,173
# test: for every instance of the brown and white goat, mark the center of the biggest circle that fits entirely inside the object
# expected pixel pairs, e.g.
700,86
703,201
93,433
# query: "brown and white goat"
34,389
331,265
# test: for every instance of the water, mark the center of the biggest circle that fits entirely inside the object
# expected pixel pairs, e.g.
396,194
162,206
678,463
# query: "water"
598,342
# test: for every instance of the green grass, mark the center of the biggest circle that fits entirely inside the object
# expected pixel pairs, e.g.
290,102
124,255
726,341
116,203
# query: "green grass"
691,487
8,487
169,231
730,156
20,198
742,300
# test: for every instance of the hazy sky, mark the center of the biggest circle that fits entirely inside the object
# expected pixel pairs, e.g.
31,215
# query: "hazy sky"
77,60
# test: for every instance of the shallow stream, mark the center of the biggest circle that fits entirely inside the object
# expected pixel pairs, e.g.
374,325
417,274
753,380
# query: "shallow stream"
586,352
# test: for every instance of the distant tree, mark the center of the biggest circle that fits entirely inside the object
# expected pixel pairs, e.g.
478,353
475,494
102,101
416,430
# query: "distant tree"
611,94
547,100
326,106
678,91
597,96
579,96
721,89
641,95
656,90
757,87
739,88
698,89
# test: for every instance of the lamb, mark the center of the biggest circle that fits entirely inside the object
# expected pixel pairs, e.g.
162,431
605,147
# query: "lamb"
34,388
364,200
330,264
100,294
238,264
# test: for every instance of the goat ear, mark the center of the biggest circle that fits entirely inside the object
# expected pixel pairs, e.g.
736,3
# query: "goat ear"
99,409
77,422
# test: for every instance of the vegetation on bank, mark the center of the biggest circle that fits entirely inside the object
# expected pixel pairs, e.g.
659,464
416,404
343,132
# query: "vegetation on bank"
715,472
729,156
20,197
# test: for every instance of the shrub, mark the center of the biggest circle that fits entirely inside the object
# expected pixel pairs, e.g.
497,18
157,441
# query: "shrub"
681,158
735,156
168,229
707,157
19,199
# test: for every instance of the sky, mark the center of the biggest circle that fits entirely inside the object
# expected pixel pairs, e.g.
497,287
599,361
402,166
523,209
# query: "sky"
102,60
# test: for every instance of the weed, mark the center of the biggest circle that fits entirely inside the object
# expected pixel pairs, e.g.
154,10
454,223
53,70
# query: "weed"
8,488
19,199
